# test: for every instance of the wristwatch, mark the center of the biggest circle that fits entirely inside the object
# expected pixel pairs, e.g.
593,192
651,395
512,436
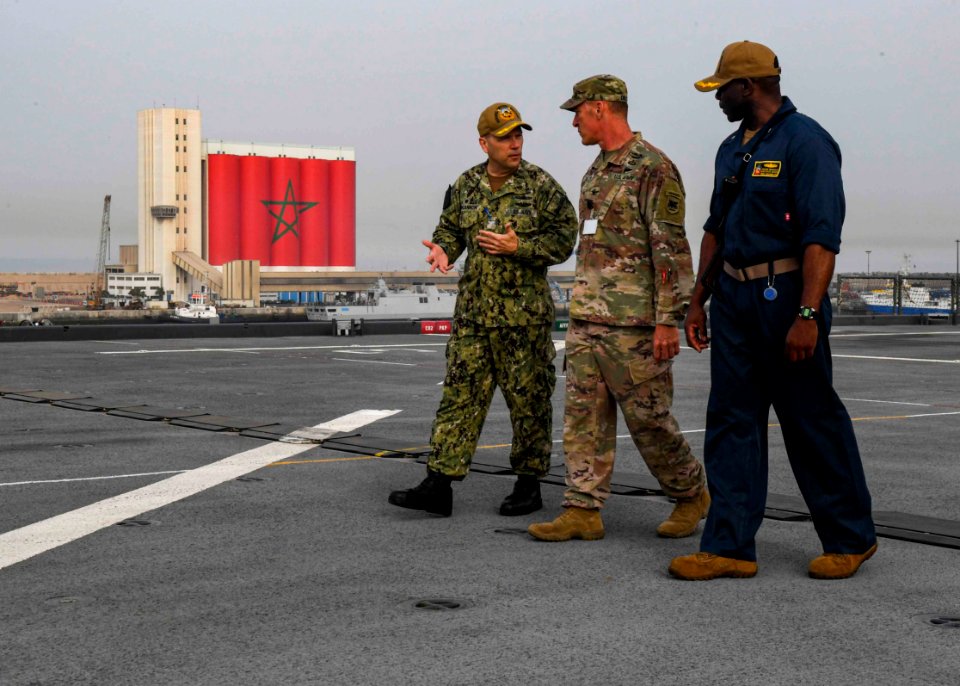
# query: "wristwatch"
807,312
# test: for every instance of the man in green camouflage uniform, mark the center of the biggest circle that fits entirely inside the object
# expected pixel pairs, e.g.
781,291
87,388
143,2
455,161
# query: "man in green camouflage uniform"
633,283
514,220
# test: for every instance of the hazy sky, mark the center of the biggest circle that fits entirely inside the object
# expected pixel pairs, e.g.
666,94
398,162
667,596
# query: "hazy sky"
404,82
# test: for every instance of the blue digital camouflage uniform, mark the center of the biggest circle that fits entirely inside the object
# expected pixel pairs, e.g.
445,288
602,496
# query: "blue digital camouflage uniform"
635,272
792,196
503,316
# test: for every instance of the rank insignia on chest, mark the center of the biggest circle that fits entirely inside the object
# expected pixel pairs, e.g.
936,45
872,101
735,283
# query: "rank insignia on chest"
520,212
766,169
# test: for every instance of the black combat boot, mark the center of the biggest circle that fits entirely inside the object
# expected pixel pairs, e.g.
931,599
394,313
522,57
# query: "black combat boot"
525,497
433,494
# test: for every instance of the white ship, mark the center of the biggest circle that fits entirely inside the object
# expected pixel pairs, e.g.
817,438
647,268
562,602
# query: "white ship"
935,302
420,302
917,300
197,310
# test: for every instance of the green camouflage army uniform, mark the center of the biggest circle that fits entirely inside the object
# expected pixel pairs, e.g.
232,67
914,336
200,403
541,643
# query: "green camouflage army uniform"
635,272
503,317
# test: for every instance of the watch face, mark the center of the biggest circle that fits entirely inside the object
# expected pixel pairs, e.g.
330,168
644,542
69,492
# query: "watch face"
807,313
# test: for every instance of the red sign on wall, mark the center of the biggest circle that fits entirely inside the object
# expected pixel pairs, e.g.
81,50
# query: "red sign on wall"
283,211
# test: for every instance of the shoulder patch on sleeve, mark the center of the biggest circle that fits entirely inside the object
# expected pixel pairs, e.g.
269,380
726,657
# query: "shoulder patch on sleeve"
670,204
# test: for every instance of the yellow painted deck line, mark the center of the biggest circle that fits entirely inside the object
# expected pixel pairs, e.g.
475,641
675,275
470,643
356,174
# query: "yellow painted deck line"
895,416
905,416
619,436
323,460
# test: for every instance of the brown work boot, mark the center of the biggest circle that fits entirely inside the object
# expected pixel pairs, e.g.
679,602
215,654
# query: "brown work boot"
703,566
573,522
839,565
686,515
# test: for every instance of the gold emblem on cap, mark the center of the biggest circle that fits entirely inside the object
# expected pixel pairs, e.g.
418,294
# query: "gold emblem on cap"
505,113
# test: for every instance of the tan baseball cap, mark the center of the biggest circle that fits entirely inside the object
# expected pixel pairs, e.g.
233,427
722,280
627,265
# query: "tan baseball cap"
742,60
499,119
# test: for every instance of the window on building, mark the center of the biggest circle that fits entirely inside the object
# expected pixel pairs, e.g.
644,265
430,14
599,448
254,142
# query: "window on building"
178,167
184,168
178,148
178,196
184,197
177,137
176,121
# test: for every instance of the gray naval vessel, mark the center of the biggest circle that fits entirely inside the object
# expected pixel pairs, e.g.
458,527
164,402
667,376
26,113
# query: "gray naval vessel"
212,509
424,301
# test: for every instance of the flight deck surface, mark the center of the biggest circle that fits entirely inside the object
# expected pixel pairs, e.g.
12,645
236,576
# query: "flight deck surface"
214,511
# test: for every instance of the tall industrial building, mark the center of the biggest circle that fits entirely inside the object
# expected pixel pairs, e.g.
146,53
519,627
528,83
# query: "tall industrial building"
170,182
211,207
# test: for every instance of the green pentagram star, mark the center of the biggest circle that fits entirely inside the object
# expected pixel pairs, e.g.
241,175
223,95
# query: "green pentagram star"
290,201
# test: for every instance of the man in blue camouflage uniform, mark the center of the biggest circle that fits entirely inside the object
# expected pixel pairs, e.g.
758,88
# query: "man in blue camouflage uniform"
633,281
514,220
777,237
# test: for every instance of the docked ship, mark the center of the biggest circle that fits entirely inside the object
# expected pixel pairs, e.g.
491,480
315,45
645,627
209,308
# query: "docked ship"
419,302
916,300
197,310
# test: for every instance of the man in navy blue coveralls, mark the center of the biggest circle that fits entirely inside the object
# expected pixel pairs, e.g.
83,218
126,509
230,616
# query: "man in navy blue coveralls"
770,318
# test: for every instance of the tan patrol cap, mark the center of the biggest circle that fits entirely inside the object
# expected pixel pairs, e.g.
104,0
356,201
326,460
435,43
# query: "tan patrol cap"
499,119
600,87
742,60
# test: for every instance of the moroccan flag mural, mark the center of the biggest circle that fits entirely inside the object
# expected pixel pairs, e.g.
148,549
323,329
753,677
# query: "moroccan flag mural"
283,211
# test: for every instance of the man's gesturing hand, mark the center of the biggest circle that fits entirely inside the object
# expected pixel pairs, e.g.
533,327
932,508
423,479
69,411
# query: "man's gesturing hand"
437,258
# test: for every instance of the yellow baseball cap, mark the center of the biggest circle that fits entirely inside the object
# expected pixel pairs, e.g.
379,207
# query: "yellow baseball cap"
742,60
499,119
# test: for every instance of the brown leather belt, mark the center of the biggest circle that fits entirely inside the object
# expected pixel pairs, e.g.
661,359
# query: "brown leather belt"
762,270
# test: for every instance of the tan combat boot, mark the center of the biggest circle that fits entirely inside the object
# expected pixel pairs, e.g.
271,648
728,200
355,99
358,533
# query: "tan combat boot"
704,566
839,565
686,515
574,522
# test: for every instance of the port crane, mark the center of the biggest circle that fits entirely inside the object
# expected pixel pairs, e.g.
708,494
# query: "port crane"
95,302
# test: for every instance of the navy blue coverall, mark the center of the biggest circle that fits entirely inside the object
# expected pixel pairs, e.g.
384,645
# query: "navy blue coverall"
791,197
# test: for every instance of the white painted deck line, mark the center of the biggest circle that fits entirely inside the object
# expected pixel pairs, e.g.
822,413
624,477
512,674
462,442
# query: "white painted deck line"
159,351
91,478
400,364
22,544
896,359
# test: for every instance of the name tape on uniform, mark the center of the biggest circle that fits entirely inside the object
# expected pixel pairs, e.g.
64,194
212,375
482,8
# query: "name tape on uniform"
768,169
